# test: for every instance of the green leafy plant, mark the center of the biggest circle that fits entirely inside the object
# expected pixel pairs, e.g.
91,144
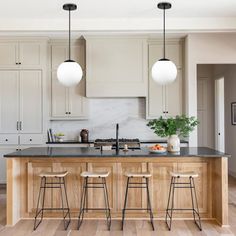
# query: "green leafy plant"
59,134
180,125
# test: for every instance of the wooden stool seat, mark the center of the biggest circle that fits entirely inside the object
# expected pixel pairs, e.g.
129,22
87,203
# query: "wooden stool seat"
53,174
95,174
184,174
138,174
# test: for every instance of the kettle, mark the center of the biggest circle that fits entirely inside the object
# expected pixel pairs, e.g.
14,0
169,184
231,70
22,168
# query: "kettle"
84,134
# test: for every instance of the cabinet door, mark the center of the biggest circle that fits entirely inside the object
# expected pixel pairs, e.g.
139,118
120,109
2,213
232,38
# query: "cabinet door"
8,54
159,185
202,185
77,102
165,100
29,54
74,183
96,196
59,106
173,96
30,101
133,201
9,101
33,184
58,55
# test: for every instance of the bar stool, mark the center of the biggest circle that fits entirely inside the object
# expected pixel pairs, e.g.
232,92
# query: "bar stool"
142,184
173,185
60,176
101,175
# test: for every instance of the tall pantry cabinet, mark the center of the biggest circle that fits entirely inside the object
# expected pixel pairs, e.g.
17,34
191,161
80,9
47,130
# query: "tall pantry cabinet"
23,66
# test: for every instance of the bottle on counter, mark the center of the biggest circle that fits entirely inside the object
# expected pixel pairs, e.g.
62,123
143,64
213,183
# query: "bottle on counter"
84,134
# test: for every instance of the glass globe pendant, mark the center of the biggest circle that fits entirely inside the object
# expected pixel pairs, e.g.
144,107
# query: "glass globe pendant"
69,73
164,71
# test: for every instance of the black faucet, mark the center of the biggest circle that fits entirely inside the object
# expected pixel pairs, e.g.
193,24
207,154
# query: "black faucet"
117,138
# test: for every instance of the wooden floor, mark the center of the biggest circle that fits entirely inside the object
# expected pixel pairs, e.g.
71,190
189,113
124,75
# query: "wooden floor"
132,227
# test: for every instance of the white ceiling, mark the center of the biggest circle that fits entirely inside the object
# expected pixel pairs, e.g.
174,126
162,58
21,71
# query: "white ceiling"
121,15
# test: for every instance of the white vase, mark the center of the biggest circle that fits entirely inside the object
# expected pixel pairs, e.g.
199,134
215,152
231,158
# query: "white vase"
173,143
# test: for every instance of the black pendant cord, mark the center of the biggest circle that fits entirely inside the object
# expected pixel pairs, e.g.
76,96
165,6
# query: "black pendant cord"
69,36
164,33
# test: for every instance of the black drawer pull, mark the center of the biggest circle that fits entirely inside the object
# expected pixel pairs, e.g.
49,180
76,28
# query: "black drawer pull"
30,139
6,139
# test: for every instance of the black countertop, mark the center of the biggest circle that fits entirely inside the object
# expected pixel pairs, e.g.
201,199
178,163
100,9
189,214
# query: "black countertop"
78,152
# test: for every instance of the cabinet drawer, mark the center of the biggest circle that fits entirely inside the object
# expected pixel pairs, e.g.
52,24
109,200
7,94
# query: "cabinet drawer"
11,139
31,139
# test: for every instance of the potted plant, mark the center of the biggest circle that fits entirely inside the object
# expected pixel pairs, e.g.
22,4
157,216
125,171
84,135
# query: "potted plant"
173,128
59,137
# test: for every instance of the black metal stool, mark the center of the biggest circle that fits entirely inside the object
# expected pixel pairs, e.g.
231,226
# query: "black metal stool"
86,186
173,185
60,176
141,185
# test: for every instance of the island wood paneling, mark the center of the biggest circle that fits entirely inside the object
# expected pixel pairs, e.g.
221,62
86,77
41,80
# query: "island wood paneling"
136,197
211,185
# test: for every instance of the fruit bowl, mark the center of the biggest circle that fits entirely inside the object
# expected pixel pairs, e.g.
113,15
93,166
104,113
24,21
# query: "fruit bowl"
157,148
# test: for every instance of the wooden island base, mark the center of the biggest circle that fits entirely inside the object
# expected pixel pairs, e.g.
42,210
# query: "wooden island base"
211,185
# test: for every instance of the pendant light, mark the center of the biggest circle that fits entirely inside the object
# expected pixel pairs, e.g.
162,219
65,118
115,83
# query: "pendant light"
164,71
69,73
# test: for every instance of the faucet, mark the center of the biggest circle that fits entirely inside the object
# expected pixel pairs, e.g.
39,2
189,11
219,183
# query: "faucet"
117,138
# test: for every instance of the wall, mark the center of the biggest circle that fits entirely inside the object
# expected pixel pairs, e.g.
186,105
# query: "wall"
104,114
229,73
214,48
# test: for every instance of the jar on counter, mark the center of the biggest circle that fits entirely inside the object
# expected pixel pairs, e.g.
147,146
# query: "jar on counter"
84,134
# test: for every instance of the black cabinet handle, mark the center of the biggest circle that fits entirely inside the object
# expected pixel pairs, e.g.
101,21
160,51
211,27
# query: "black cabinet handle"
19,63
66,112
69,112
30,139
6,139
167,112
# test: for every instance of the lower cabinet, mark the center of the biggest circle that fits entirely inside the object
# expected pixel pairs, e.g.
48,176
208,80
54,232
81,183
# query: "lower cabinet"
96,195
136,197
52,197
159,185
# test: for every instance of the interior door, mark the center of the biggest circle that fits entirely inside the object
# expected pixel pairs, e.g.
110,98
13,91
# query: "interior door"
9,101
219,115
30,101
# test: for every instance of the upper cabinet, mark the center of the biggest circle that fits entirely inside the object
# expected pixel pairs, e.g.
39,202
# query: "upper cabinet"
116,66
25,54
165,100
67,103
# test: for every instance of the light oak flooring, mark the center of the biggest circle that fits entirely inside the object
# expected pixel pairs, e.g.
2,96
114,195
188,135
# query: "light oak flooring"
132,227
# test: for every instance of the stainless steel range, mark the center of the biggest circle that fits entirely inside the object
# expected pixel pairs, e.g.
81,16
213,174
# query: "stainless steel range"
131,143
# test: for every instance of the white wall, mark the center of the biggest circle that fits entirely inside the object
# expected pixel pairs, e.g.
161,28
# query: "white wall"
214,48
103,116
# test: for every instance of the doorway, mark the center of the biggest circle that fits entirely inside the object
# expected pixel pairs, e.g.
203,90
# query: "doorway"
220,115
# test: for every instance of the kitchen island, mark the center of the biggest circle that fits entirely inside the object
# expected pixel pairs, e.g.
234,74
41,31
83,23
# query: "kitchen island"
23,182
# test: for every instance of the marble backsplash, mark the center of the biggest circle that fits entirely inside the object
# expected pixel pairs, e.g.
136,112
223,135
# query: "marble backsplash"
104,113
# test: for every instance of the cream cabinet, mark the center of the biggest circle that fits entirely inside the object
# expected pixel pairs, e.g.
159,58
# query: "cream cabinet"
24,54
67,103
20,104
116,66
165,100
